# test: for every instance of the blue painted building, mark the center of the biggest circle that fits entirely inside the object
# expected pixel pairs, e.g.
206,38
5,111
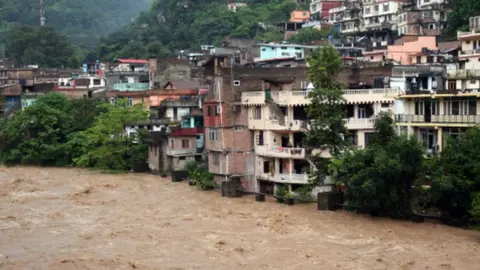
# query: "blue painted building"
272,51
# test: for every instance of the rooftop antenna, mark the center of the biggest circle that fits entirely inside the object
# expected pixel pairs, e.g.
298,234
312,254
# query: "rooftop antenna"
42,13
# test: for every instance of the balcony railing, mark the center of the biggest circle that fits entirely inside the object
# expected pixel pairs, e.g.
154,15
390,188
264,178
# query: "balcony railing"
280,152
179,132
463,73
253,98
359,123
292,178
292,125
370,91
464,34
441,119
178,152
467,52
131,86
399,71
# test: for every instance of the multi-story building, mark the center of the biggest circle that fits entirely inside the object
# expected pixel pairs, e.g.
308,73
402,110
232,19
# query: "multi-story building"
427,17
255,121
319,9
380,14
347,18
432,109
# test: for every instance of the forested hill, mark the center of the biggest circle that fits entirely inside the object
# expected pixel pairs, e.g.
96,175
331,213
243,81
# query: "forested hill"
184,24
83,21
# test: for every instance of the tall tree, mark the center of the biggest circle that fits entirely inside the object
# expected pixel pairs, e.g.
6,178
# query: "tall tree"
380,177
40,46
455,190
105,145
327,128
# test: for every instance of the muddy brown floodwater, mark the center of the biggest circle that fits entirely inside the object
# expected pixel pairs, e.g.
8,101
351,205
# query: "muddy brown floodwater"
79,219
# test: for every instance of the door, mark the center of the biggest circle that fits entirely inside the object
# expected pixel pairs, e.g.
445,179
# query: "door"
428,111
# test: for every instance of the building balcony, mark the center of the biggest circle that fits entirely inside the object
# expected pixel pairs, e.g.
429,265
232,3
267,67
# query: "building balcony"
285,178
414,71
439,119
131,86
463,74
469,53
180,132
359,123
470,35
280,152
253,98
292,98
181,152
274,124
291,178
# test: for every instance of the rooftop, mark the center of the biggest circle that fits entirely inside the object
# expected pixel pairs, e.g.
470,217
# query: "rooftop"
132,61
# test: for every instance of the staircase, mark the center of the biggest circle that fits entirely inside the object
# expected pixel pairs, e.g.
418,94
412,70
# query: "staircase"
276,111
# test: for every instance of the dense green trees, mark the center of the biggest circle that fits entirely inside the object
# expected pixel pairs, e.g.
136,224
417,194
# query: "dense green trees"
456,185
458,19
82,21
57,132
327,128
41,46
308,35
173,24
380,177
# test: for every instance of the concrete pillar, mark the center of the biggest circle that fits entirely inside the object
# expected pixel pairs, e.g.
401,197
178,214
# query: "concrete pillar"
441,110
440,138
430,83
355,111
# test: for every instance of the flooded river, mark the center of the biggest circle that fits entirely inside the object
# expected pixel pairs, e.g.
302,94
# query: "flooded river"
78,219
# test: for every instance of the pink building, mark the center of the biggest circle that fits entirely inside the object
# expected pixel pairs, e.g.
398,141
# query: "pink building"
404,53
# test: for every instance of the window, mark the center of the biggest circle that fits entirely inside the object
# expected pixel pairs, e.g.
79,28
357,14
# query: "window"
172,144
218,109
209,110
376,8
182,158
213,134
130,101
97,82
259,138
237,128
185,144
452,85
257,113
236,83
419,59
216,158
386,7
362,112
419,109
460,107
367,11
430,59
283,48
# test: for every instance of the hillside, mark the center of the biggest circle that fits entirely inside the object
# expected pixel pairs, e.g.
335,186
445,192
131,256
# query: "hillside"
177,24
83,21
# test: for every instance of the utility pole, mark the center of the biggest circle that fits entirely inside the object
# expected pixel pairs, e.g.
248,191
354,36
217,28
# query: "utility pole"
42,13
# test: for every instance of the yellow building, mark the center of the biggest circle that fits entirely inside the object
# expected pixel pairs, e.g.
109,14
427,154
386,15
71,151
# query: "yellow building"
433,111
277,117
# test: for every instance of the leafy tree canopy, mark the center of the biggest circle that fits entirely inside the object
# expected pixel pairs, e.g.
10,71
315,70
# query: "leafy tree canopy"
41,46
456,187
380,177
462,10
185,24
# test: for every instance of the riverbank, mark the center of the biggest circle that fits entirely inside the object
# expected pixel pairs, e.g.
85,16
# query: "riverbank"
68,218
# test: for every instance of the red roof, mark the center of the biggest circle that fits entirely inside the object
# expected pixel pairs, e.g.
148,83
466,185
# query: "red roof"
132,61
